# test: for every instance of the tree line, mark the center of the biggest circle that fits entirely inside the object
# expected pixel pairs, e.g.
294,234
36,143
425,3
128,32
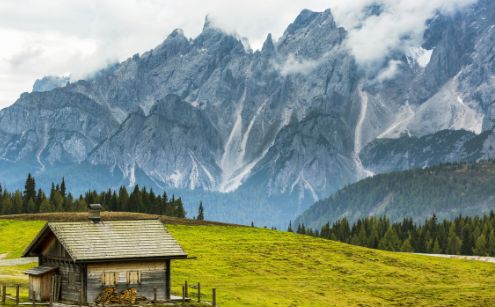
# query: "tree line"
417,193
463,235
33,200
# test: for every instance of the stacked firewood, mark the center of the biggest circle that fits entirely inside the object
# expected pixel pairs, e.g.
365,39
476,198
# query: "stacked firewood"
111,296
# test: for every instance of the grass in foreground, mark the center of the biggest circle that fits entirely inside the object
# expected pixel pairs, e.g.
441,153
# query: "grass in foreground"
259,267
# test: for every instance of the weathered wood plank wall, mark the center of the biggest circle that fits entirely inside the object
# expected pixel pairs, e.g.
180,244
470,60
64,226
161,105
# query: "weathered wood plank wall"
152,275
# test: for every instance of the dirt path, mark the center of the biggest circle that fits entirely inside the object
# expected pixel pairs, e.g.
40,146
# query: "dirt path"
17,261
474,258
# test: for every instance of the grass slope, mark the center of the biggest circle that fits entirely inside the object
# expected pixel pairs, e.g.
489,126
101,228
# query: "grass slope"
260,267
446,190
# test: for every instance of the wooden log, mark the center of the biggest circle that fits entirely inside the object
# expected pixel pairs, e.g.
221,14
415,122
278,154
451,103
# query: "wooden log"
199,292
4,294
52,293
214,297
17,294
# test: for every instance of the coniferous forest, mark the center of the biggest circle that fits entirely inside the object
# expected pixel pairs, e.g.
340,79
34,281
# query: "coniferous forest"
33,200
460,236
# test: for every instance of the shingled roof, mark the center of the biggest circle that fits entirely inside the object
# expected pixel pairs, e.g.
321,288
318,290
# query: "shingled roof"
111,240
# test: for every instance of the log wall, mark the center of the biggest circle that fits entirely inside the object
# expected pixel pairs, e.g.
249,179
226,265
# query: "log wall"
152,275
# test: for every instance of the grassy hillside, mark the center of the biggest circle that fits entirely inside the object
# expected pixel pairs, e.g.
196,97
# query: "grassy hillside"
446,190
260,267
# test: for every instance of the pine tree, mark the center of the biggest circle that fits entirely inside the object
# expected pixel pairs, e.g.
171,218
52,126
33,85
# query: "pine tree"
58,201
18,203
31,206
123,204
7,206
180,212
390,241
406,246
29,190
46,206
436,247
467,241
201,214
81,205
63,188
491,243
289,229
480,248
454,242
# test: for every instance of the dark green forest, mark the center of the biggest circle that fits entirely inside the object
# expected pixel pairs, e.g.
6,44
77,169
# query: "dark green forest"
33,200
448,190
460,236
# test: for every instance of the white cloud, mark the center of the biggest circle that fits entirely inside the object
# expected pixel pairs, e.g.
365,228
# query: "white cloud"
79,36
371,38
389,72
293,65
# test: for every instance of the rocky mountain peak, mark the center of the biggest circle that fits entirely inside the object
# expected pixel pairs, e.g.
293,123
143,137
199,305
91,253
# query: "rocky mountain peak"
49,83
268,45
309,19
311,35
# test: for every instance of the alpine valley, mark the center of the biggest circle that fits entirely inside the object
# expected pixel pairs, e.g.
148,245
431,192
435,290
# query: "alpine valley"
261,135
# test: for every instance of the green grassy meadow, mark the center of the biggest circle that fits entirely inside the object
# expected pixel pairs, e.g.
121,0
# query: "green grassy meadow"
260,267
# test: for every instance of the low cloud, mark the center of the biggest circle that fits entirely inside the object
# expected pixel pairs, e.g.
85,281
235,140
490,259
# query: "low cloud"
389,71
397,26
293,65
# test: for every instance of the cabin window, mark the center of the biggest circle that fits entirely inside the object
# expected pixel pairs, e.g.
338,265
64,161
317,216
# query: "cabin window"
109,278
134,278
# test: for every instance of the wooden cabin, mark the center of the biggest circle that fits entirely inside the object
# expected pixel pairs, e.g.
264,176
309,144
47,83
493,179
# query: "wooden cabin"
80,260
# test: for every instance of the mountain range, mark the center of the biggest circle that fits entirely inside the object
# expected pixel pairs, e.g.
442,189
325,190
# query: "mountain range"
261,135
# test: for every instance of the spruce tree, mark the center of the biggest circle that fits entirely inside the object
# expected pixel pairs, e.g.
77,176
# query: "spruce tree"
63,190
436,247
180,212
29,189
18,202
406,246
58,202
46,206
201,214
7,207
390,241
480,248
31,206
467,240
454,243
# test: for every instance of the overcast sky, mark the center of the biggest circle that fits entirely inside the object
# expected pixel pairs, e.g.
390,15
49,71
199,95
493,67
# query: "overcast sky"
57,37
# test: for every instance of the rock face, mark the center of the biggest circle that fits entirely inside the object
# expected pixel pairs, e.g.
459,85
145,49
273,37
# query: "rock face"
409,152
282,126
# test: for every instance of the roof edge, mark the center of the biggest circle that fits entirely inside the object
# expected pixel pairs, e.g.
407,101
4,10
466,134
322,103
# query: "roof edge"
185,256
33,243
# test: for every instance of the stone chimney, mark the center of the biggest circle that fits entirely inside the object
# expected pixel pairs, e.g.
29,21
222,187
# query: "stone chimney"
94,213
